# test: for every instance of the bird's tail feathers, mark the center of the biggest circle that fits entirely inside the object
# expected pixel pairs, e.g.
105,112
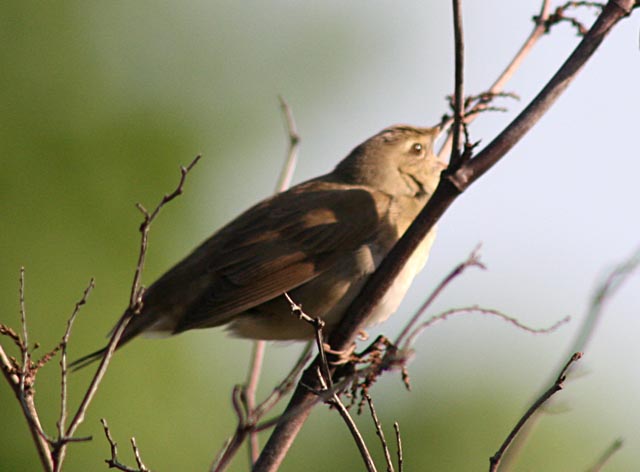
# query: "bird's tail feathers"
88,359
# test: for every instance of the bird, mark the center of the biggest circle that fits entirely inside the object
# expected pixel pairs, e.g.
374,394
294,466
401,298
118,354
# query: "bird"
317,242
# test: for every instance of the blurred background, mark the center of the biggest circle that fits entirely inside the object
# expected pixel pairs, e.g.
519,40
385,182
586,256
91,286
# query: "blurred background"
102,102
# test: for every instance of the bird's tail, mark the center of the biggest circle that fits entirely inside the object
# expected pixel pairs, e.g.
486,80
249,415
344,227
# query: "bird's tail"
88,359
129,332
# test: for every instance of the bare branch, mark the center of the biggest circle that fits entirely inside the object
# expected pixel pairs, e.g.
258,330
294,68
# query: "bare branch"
135,301
114,462
20,376
380,433
289,166
136,454
317,324
63,357
257,356
353,429
525,49
603,293
24,345
557,385
286,384
251,387
607,455
243,428
497,87
484,311
247,420
472,261
458,114
328,390
396,427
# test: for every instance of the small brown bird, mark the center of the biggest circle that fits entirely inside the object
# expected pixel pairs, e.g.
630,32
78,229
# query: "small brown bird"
319,241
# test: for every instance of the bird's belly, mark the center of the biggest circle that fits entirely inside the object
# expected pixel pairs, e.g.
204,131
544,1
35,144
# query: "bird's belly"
394,296
328,296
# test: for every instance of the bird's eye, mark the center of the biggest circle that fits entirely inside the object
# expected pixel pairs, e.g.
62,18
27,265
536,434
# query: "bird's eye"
417,148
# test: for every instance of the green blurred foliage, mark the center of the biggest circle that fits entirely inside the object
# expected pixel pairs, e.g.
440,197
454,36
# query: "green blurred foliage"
100,104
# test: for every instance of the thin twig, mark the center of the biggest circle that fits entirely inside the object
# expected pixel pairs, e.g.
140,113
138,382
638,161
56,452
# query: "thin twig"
257,356
497,87
472,261
396,427
24,345
380,433
135,298
601,296
317,324
557,386
20,377
243,428
484,311
326,382
247,424
353,428
136,454
253,378
40,438
286,174
536,33
135,301
59,451
606,456
458,105
113,462
286,384
220,455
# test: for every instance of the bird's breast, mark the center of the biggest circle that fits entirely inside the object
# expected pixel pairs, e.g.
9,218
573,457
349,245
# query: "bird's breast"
396,292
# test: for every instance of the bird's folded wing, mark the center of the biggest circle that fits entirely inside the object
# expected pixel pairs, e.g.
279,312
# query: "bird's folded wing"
279,245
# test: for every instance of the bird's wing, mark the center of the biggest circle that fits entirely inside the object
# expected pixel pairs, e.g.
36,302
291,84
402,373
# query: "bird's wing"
280,244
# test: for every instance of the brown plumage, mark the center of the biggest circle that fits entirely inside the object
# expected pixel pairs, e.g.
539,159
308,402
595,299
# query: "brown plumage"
318,241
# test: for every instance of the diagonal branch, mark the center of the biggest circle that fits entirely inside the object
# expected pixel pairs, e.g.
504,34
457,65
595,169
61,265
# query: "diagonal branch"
450,187
554,388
